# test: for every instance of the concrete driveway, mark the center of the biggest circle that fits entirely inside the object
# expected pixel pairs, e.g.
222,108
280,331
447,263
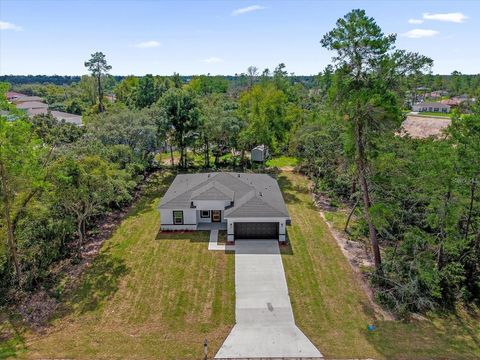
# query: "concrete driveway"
265,327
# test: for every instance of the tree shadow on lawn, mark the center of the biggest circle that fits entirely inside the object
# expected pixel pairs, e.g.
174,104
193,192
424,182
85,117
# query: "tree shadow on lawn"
288,189
98,284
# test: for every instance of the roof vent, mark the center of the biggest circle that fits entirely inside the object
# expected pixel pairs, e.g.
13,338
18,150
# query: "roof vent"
260,193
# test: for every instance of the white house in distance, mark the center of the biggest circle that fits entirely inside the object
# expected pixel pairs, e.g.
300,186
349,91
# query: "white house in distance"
248,206
431,107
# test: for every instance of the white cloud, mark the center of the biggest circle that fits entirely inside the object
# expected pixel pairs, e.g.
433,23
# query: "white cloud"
455,17
420,33
9,26
415,21
247,9
212,60
147,44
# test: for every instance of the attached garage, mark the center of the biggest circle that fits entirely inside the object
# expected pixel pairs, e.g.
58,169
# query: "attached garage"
256,230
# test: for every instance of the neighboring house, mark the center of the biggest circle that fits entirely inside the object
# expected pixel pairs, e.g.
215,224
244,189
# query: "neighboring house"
70,118
32,105
58,115
259,153
431,107
248,206
436,94
25,98
12,95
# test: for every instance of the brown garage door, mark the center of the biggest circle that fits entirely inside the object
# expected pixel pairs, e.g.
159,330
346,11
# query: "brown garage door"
256,230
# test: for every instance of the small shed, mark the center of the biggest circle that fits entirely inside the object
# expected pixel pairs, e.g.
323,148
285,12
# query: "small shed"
259,153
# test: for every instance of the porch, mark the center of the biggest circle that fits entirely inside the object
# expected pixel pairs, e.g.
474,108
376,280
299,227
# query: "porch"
212,226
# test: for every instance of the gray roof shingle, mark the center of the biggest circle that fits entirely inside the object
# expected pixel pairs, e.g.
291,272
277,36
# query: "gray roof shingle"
254,195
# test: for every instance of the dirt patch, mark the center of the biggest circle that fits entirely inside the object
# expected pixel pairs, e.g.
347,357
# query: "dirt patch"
357,254
420,127
37,308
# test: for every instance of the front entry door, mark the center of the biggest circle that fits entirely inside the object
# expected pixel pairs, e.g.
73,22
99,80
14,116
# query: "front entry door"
216,216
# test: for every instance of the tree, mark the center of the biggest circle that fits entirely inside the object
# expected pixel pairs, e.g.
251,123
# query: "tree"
147,92
22,177
127,91
98,66
361,49
219,127
133,128
86,184
252,72
181,111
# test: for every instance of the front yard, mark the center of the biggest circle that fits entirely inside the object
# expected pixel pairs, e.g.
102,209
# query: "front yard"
152,295
148,295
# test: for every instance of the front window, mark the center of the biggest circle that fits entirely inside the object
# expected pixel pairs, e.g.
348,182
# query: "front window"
178,217
205,214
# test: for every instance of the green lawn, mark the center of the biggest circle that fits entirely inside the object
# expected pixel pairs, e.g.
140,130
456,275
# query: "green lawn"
431,113
148,295
151,295
282,161
333,310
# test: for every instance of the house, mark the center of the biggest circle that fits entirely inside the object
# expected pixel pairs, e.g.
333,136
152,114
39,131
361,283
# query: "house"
431,107
259,153
436,94
248,206
25,98
32,105
12,95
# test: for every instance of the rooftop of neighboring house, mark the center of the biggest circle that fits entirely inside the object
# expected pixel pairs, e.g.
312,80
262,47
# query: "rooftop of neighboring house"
32,105
13,95
432,104
25,98
252,195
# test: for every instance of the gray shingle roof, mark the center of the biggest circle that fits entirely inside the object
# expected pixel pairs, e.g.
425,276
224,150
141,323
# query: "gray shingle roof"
254,195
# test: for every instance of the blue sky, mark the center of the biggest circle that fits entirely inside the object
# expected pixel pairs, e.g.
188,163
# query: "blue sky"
220,37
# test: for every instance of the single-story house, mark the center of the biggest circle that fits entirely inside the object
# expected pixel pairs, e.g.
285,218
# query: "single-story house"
259,153
248,206
12,95
32,105
26,98
431,107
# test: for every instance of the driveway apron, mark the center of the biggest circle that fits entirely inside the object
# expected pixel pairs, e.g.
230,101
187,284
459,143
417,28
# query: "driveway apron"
265,326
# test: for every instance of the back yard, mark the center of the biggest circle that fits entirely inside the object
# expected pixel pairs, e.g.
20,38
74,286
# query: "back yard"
151,295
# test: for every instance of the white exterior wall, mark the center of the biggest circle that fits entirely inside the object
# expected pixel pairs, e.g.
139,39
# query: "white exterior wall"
211,204
189,219
209,219
282,227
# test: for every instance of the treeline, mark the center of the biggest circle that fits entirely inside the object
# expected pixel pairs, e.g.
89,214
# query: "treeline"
58,180
416,201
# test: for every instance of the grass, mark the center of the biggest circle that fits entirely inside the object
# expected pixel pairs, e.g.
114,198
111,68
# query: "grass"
148,295
332,309
431,113
282,161
151,295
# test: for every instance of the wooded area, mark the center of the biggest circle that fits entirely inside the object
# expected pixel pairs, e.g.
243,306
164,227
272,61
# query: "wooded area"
416,200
